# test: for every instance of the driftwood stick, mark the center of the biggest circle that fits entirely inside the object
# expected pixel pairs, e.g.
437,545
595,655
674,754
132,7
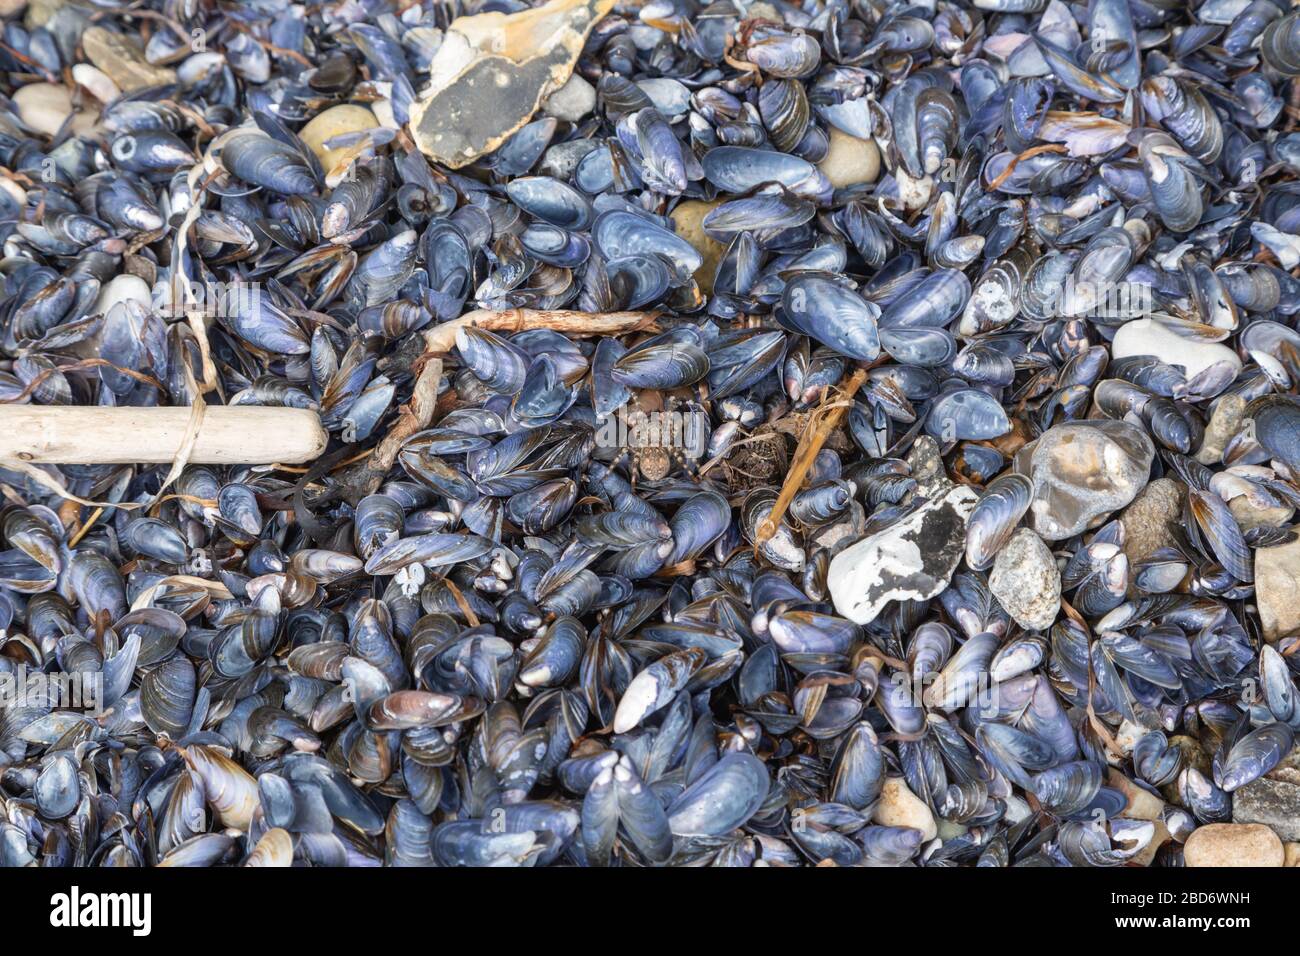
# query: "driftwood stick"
412,417
441,338
809,445
417,414
227,435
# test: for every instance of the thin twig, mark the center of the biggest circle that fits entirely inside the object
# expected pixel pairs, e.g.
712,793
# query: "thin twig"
1027,154
76,538
441,338
809,445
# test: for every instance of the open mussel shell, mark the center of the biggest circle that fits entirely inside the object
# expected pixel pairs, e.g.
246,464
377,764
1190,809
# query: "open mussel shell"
1254,755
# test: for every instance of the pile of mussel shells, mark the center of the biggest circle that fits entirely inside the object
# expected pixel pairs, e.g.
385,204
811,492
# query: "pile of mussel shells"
1055,241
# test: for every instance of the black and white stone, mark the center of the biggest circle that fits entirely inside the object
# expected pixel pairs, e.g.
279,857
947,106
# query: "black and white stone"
912,560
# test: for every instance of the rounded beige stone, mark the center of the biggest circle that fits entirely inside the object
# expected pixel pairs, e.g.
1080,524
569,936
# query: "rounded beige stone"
43,106
121,289
1233,844
687,220
900,807
850,160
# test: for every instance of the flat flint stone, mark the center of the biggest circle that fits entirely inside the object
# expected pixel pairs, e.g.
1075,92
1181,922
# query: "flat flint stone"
571,102
1151,337
121,60
493,71
912,560
1082,471
1274,803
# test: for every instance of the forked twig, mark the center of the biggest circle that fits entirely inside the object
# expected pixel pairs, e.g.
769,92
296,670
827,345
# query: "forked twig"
809,445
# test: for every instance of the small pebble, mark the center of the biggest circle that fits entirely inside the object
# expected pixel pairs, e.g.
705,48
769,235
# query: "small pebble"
335,121
571,102
1225,422
1147,854
1250,515
43,106
900,807
849,160
1150,337
687,217
1142,803
1277,586
120,289
1026,581
1152,520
